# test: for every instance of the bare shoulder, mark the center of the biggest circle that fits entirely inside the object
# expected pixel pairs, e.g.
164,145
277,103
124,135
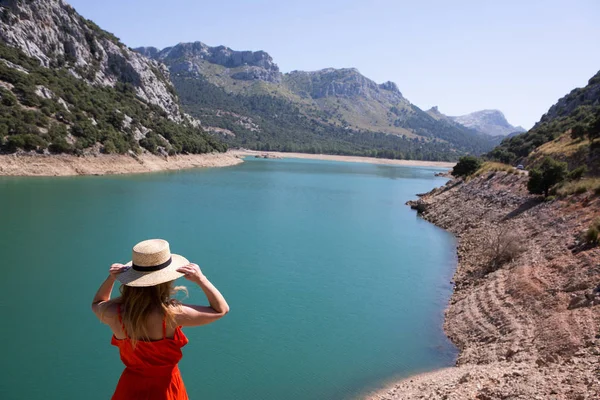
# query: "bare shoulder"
111,308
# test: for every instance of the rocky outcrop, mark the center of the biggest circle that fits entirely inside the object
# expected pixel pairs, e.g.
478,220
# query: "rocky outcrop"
525,312
435,113
391,86
258,65
586,96
57,36
490,122
345,82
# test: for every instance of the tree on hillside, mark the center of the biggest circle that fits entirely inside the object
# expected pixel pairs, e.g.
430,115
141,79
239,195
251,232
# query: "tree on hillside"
593,131
542,179
579,131
466,166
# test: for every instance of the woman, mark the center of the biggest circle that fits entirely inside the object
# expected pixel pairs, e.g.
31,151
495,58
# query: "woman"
146,321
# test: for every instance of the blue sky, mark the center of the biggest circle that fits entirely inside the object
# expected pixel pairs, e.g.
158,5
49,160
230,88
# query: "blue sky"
516,56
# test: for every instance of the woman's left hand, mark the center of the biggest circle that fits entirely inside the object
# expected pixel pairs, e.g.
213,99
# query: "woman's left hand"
116,269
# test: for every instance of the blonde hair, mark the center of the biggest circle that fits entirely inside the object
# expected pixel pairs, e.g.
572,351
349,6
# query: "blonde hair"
137,303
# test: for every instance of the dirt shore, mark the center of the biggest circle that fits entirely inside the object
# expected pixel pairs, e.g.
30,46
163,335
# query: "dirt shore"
103,164
369,160
31,164
524,313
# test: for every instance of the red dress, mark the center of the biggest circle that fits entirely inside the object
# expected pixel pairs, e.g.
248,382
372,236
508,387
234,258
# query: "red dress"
151,371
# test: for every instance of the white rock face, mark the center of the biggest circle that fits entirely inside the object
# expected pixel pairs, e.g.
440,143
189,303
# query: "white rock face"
491,122
185,57
344,82
57,36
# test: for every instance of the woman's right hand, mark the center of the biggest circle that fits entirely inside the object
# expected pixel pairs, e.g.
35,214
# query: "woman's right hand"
116,269
192,272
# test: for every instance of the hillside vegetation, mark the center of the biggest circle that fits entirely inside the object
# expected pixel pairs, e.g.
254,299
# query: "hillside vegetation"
281,125
563,132
67,86
43,108
242,96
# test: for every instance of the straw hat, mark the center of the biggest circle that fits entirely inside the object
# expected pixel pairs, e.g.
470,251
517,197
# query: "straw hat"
152,263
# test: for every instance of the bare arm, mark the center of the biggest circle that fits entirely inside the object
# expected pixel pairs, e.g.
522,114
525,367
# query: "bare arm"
100,301
193,315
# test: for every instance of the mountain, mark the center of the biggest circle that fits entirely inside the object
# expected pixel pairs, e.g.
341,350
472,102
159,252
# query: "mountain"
434,112
491,122
555,134
188,57
67,85
242,96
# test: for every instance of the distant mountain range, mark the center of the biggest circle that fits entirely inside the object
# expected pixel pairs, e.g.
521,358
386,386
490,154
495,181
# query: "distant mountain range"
490,122
243,96
67,86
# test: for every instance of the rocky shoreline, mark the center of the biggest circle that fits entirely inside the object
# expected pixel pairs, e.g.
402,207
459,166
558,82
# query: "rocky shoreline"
524,313
32,164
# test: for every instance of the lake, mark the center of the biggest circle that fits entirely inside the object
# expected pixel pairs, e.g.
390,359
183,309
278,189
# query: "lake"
335,286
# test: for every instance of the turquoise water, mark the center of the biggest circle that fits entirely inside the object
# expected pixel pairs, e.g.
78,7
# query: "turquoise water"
335,286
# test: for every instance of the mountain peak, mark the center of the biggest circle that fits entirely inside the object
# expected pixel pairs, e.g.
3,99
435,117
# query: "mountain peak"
491,122
252,65
435,111
391,86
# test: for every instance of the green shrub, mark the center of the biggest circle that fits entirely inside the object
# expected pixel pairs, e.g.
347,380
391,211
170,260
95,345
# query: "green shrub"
591,235
60,145
577,173
57,131
85,129
109,147
466,166
578,132
549,174
8,99
25,141
106,105
593,131
27,95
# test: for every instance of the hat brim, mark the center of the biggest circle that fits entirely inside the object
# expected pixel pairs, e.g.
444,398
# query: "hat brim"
131,277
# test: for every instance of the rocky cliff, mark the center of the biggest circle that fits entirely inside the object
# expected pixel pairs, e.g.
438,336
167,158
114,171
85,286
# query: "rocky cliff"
525,313
52,32
189,57
345,82
588,96
68,86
